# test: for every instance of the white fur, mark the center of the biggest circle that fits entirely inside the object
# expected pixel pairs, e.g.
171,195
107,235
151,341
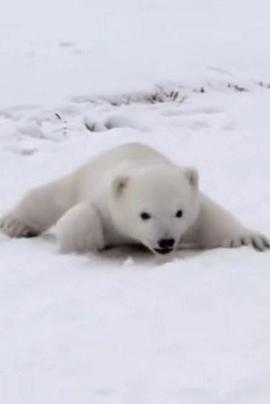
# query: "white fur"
100,204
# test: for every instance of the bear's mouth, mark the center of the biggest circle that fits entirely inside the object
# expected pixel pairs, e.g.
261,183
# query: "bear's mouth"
163,251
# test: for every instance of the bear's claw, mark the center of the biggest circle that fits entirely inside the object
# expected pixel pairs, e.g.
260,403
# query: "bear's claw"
14,228
258,241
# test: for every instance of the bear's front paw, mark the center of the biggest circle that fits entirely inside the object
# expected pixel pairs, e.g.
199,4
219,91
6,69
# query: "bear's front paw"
257,240
14,228
80,229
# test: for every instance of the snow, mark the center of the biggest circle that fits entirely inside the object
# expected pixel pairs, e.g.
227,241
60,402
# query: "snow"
191,79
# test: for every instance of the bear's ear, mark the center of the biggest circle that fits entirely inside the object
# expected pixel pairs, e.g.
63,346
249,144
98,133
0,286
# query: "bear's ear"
192,175
119,184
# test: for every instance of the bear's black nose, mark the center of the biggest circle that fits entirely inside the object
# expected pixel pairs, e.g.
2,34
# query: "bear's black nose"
166,243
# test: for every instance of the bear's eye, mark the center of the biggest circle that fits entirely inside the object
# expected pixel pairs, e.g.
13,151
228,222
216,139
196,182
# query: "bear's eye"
145,216
179,213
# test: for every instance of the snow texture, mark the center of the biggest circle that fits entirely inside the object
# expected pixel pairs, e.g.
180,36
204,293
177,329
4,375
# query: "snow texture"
191,79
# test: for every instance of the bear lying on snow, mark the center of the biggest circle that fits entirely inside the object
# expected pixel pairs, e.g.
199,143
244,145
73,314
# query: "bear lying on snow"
130,194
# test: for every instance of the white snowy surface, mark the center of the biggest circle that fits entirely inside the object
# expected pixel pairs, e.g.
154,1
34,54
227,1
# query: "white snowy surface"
124,327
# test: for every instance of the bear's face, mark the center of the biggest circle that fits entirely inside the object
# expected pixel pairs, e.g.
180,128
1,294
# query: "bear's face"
156,206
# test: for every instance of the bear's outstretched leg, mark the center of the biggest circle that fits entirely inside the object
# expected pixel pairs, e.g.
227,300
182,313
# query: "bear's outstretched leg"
38,210
216,227
80,229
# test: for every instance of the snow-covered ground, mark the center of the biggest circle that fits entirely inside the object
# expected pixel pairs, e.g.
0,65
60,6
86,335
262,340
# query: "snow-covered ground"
190,78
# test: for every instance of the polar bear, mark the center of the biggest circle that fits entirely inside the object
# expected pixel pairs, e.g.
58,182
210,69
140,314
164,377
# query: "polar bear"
130,194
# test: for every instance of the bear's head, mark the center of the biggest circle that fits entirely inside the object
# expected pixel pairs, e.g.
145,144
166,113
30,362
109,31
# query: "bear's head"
155,206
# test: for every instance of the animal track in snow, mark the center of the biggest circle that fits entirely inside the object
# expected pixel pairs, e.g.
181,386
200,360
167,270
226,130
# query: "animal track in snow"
193,111
112,122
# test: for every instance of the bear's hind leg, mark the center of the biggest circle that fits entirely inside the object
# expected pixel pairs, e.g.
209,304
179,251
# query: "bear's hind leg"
217,227
38,210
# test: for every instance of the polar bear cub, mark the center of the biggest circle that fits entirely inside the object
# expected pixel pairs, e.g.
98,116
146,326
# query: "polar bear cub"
130,194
